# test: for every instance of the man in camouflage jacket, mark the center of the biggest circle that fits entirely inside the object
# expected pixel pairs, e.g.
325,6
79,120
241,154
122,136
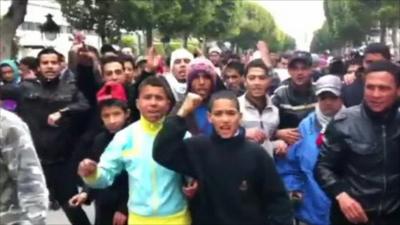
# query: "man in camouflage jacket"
23,192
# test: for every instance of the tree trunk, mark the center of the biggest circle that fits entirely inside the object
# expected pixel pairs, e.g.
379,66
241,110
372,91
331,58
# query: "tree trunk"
103,38
149,37
139,44
185,40
382,32
204,47
9,24
396,46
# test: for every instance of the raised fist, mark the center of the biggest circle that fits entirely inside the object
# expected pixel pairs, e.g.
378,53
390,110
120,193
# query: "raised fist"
191,102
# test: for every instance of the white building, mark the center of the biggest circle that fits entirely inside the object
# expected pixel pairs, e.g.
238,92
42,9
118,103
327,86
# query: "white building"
31,40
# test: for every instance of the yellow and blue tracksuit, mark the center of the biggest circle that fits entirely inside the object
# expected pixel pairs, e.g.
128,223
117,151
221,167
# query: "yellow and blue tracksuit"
155,193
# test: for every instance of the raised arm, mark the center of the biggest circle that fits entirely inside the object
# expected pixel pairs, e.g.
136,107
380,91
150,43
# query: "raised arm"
170,148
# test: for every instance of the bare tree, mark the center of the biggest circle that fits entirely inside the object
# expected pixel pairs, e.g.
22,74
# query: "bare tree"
9,24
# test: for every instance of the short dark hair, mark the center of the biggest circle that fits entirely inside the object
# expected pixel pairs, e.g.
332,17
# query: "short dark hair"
378,48
387,66
110,59
47,51
337,66
238,66
284,56
256,63
108,48
113,102
354,61
157,82
224,94
30,62
128,58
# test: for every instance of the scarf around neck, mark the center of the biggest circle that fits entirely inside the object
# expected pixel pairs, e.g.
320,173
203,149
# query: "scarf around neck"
324,120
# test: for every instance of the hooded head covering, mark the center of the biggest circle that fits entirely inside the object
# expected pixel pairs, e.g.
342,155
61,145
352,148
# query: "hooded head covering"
180,54
178,88
201,65
11,63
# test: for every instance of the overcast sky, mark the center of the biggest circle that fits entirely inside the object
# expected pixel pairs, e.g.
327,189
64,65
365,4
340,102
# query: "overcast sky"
297,18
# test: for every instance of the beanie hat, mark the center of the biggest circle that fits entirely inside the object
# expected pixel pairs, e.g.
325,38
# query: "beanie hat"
180,54
201,65
112,90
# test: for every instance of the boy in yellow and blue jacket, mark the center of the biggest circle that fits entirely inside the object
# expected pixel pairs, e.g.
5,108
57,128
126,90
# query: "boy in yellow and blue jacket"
155,195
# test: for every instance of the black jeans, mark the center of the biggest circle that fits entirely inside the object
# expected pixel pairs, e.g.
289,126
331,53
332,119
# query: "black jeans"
62,186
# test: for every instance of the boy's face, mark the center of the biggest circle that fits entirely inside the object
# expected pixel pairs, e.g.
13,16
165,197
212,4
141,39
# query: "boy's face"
257,82
7,73
202,85
129,71
114,118
329,103
180,69
153,103
233,79
225,117
113,71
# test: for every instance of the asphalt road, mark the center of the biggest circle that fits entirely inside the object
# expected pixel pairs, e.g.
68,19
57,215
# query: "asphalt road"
58,217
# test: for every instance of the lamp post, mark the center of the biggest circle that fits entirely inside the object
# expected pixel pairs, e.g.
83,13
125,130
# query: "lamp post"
49,29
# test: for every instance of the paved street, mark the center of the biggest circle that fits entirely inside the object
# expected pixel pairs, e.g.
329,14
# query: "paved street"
58,217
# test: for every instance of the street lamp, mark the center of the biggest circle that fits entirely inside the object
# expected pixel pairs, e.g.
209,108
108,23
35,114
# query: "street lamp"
50,29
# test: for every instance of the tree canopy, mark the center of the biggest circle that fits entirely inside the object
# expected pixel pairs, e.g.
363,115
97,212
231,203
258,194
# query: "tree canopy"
240,22
349,22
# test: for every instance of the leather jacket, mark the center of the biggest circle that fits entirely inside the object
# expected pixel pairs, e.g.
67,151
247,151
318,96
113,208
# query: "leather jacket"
40,98
360,155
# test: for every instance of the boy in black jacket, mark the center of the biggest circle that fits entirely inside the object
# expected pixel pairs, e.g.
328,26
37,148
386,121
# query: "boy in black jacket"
237,180
110,203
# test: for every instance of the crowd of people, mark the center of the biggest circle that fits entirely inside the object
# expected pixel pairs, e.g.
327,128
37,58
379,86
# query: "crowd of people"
195,138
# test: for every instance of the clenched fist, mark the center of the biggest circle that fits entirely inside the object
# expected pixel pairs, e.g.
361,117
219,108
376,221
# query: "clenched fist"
87,167
191,102
53,119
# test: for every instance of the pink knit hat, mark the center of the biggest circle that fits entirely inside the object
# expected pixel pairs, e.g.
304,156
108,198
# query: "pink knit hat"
201,65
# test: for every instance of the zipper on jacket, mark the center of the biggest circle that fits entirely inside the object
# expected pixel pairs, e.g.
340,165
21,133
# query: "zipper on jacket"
384,169
261,123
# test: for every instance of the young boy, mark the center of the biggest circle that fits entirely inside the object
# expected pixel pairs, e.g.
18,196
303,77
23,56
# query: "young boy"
237,180
155,195
111,203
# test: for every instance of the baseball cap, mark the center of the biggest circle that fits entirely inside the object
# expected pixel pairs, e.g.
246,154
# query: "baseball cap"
112,90
300,56
329,83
